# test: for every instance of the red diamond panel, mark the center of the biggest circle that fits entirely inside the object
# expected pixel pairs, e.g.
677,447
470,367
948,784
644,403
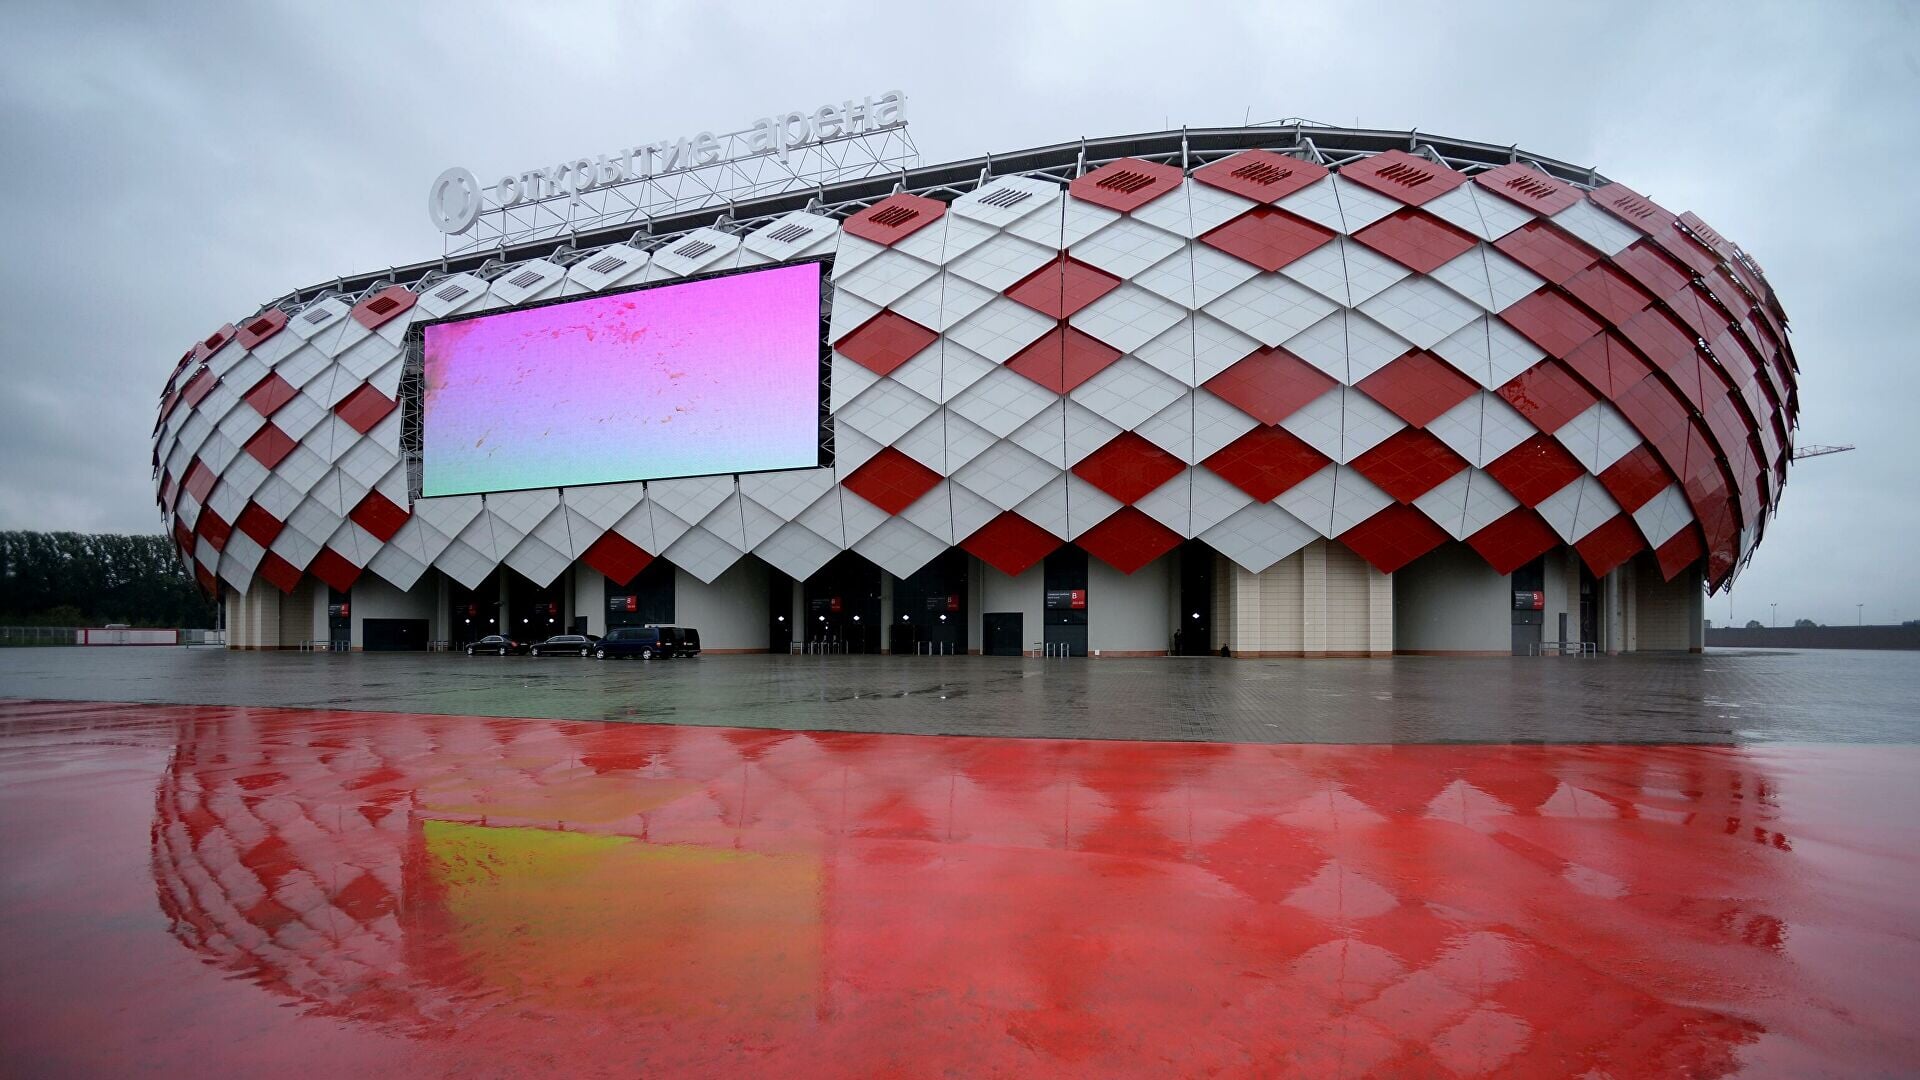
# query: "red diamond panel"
1633,208
1609,292
1412,180
199,481
895,218
1652,269
1529,187
1660,418
183,537
257,523
1267,238
364,408
278,572
1128,467
383,307
214,342
1635,478
214,528
270,446
377,514
1270,384
1672,349
1062,287
1608,364
1535,469
1394,537
1515,540
261,327
1011,544
269,394
891,480
1547,251
1128,540
1260,175
616,557
1548,395
1611,544
1418,387
1127,184
1063,358
208,583
1266,461
198,387
1680,551
1409,464
1551,321
1417,240
333,568
884,342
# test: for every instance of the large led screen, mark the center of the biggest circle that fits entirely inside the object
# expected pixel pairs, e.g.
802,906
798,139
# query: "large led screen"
718,375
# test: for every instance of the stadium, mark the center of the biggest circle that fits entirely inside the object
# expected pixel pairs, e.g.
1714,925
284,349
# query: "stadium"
1265,391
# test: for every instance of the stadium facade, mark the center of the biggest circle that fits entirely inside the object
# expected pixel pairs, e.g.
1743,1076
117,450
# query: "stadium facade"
1268,391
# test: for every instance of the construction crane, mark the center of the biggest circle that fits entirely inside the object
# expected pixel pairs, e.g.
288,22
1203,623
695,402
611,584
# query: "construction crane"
1817,451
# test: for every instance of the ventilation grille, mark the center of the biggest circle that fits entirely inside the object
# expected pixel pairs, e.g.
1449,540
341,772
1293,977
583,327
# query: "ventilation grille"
1703,231
1264,173
382,305
606,264
1124,181
1533,187
1405,174
451,293
893,217
215,341
1005,197
1633,206
318,315
525,279
260,325
787,234
693,249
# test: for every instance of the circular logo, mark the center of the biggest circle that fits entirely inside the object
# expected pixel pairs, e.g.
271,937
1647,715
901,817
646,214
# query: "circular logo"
454,200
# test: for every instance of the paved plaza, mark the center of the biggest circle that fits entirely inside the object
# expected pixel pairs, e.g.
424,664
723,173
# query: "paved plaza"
427,866
1723,696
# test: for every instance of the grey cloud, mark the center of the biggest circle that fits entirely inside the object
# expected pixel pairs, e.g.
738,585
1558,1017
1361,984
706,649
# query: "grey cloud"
176,166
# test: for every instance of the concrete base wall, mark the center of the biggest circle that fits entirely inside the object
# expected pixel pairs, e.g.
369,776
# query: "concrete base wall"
1322,600
1026,594
1671,615
1450,601
731,612
373,598
1128,613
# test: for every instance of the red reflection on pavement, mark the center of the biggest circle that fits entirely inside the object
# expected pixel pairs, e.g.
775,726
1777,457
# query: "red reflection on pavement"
430,895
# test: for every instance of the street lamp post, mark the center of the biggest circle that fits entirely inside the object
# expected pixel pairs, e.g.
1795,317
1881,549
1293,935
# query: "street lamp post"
1776,615
1859,614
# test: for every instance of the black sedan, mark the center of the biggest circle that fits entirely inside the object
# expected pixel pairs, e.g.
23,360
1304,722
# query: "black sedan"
496,645
564,645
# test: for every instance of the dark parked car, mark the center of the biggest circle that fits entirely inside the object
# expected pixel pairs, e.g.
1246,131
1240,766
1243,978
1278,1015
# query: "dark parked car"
647,642
564,645
497,644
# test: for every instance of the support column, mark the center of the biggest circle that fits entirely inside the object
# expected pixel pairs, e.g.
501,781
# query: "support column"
1379,613
1313,599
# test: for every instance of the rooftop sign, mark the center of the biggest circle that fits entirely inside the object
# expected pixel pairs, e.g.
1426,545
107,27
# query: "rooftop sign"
767,154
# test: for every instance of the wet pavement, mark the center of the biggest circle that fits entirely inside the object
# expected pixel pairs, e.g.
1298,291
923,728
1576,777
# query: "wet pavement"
1724,696
218,890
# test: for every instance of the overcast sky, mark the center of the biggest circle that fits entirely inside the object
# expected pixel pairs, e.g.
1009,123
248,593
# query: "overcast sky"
173,166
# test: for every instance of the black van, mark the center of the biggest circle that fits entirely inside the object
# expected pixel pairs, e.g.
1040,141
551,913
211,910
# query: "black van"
647,642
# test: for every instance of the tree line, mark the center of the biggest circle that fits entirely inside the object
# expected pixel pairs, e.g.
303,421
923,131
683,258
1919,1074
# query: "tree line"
88,579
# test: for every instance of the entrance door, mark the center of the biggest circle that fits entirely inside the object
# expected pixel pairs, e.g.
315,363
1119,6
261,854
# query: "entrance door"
1000,633
1194,636
394,635
779,612
1066,601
